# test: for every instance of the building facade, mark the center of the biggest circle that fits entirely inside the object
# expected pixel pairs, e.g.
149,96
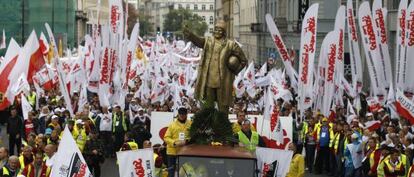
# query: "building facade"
20,17
158,9
287,14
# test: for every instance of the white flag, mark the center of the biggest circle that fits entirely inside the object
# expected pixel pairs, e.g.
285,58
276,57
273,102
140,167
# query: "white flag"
136,163
400,68
307,57
276,159
26,107
68,159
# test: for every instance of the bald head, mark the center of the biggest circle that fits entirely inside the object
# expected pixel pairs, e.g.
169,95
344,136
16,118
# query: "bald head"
50,150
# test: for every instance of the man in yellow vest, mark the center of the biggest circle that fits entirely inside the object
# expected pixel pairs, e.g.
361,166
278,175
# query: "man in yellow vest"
394,166
26,157
248,138
119,126
32,98
236,126
11,169
176,137
129,143
79,134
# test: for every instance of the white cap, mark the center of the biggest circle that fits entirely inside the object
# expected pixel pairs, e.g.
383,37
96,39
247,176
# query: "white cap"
55,117
57,110
354,136
79,122
369,114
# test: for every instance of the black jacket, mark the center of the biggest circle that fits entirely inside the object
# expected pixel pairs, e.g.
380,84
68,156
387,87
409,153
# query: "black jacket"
92,159
15,126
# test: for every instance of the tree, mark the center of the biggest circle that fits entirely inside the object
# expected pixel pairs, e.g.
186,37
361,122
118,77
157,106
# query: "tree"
176,19
145,27
132,18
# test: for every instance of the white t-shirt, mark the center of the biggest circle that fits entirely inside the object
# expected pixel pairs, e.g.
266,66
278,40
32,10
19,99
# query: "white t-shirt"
106,122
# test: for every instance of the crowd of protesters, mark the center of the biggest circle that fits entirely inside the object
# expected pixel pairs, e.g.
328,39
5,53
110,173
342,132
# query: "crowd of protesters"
338,145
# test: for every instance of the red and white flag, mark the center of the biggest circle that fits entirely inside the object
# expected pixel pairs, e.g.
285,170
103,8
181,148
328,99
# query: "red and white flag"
281,47
404,106
44,45
136,163
3,41
307,57
379,15
369,40
276,160
354,52
116,16
372,125
250,81
6,68
401,44
330,47
30,59
410,48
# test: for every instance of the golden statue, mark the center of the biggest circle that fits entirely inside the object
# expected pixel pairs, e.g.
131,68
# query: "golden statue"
221,60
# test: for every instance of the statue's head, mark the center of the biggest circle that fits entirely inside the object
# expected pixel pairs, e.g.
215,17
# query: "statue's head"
220,29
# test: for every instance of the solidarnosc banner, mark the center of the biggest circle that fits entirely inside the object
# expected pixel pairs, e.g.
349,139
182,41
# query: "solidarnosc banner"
136,163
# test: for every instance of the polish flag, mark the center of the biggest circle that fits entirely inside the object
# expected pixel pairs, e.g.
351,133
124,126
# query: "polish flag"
6,68
404,106
372,125
44,46
30,60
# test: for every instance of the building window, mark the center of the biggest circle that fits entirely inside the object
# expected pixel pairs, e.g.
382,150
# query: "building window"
180,6
203,7
204,18
187,6
210,30
211,20
211,7
195,7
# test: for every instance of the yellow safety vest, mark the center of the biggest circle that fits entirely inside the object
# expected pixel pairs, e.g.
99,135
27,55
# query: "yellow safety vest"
116,119
21,160
32,98
250,144
392,168
80,137
380,168
5,171
305,130
133,145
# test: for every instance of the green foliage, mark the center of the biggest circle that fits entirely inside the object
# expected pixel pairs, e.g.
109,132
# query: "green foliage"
210,125
145,27
176,19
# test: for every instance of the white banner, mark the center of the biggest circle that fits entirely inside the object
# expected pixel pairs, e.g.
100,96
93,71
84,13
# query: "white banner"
354,52
68,161
330,48
410,48
307,57
270,160
401,60
371,48
281,47
136,163
116,19
379,15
